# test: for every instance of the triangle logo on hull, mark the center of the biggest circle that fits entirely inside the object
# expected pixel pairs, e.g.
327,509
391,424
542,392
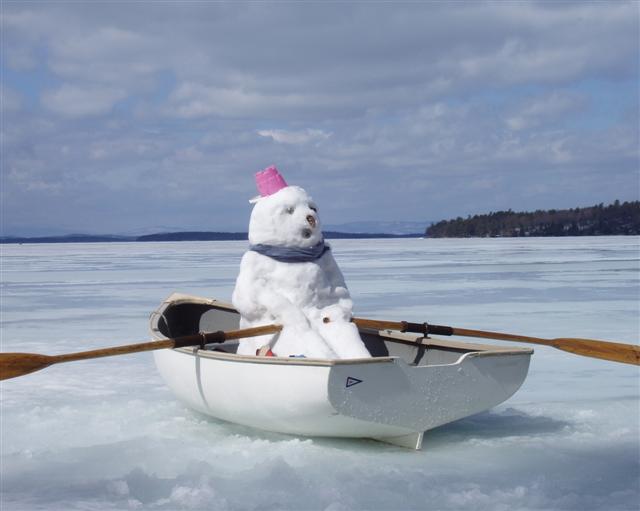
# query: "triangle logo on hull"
352,381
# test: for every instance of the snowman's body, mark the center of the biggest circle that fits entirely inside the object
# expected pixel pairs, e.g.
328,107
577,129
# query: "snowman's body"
308,295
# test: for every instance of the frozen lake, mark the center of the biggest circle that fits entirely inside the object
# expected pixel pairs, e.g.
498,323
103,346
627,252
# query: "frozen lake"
107,434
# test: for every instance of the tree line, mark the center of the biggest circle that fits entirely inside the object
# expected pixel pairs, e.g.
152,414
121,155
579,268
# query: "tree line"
616,218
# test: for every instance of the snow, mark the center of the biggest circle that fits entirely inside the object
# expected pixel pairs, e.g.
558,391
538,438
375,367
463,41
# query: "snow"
310,299
107,434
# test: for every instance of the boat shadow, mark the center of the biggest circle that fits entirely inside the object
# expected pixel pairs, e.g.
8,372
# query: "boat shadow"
485,426
489,425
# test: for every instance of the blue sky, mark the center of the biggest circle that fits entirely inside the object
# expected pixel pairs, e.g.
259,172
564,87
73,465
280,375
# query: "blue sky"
122,117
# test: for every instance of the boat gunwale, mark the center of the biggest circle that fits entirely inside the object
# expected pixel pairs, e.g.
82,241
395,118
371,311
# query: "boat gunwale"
253,359
472,349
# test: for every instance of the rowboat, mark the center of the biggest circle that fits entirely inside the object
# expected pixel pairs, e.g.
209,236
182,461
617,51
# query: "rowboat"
410,385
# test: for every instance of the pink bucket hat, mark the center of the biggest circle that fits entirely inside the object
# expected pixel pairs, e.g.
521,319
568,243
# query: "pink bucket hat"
269,181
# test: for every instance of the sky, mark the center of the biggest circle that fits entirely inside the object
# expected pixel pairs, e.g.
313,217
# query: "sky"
138,117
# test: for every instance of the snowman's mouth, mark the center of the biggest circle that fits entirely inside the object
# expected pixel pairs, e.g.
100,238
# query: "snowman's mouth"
306,233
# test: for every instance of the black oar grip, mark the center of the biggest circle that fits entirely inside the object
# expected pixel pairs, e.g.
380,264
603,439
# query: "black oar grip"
199,339
426,328
439,330
211,337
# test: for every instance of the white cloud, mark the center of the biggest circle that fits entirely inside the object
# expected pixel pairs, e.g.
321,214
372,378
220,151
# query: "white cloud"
193,100
484,101
295,137
225,66
110,56
22,59
72,100
550,106
32,175
10,99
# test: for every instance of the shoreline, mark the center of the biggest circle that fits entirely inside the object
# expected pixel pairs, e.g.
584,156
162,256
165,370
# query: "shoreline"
54,240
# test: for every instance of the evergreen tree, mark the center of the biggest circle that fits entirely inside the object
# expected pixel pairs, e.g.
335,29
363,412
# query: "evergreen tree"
616,218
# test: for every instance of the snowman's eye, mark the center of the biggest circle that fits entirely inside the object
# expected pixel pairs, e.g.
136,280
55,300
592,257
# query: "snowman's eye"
313,207
290,210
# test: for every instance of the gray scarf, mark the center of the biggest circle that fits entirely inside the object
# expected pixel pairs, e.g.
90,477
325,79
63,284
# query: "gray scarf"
291,254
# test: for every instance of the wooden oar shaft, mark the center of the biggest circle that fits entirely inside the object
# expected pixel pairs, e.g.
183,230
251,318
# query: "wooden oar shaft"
464,332
178,342
605,350
427,328
403,326
18,364
113,351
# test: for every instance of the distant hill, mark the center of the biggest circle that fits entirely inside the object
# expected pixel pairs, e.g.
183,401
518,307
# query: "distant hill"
333,235
388,227
194,236
181,236
616,218
68,238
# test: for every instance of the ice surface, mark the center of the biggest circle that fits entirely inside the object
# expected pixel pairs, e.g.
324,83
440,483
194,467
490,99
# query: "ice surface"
107,434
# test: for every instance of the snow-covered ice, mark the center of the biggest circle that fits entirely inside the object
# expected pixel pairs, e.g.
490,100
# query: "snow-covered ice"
107,434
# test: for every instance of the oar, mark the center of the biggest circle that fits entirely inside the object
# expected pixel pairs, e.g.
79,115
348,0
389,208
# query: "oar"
613,351
18,364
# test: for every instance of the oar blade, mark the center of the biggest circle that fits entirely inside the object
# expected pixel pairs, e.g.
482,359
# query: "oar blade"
605,350
18,364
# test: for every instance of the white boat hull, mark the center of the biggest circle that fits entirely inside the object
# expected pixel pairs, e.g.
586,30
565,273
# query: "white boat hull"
384,397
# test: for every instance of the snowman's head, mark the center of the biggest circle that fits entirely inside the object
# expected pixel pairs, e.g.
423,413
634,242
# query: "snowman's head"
288,218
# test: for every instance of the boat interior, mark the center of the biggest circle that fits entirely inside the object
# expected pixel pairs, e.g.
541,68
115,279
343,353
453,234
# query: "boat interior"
180,318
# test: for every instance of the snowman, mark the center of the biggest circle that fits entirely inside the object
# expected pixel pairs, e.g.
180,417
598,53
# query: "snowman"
289,277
